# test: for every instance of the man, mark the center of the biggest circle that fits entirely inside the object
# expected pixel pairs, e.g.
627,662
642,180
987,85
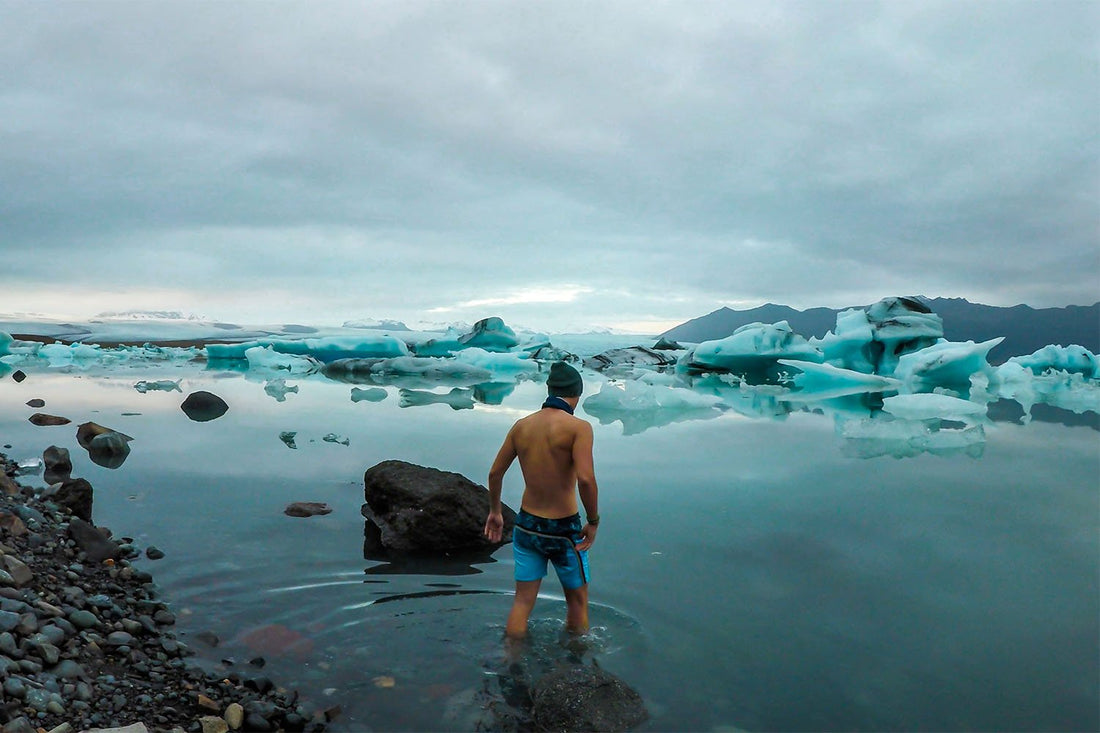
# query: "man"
555,455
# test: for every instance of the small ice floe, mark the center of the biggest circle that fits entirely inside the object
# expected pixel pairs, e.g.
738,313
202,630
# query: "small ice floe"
161,385
279,389
334,438
287,437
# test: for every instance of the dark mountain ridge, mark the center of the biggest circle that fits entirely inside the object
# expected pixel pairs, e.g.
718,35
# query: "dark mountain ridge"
1025,328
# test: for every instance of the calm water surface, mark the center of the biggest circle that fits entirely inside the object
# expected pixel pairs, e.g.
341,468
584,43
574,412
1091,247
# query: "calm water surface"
754,574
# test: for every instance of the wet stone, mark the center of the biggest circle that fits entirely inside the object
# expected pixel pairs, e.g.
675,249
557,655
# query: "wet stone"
119,638
83,619
8,620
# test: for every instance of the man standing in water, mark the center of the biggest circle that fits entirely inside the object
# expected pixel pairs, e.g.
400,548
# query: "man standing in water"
555,455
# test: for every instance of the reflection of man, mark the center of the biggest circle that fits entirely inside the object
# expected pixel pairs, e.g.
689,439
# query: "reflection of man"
555,455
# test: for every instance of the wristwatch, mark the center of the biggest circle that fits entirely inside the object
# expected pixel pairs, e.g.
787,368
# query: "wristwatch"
594,520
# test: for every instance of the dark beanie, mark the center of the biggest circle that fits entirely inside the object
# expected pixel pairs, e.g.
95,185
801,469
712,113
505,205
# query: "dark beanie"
564,381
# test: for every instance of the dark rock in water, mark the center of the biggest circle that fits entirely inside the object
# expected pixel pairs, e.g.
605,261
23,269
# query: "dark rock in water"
36,402
664,344
87,432
18,375
58,464
154,553
42,419
307,509
95,543
288,438
629,356
109,449
203,406
425,509
76,494
585,697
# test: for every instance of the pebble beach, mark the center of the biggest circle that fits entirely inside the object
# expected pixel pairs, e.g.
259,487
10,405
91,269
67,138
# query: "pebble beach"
87,644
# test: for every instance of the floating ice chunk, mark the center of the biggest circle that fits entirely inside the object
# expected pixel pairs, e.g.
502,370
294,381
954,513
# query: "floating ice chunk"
872,340
334,438
754,348
946,362
496,363
1073,359
430,369
278,389
630,356
325,349
372,394
287,436
162,385
1069,391
871,438
490,334
5,343
493,393
834,381
926,406
265,357
457,399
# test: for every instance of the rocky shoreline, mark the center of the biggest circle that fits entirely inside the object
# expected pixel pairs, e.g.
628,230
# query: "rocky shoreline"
85,643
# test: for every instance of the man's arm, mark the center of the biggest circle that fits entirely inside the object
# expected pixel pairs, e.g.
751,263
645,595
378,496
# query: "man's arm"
494,523
586,482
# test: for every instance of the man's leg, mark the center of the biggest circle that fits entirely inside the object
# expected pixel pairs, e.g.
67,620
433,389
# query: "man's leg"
576,615
527,592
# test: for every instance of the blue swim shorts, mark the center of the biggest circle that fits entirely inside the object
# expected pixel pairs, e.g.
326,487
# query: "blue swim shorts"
537,539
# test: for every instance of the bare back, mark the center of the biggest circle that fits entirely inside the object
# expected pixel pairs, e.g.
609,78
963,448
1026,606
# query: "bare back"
554,450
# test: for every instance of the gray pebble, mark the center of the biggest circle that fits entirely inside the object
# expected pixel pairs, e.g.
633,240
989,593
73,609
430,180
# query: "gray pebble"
7,644
67,669
164,617
119,638
14,687
8,620
83,619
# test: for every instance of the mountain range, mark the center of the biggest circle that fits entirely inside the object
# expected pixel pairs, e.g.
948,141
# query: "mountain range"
1025,328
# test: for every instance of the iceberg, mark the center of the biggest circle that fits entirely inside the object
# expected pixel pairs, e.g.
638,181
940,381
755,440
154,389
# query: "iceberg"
833,381
496,363
266,358
752,350
431,370
946,362
928,406
324,349
1068,390
490,334
1072,359
630,356
872,340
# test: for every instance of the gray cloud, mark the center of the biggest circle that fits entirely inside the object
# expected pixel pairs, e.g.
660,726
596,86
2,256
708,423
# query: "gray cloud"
661,159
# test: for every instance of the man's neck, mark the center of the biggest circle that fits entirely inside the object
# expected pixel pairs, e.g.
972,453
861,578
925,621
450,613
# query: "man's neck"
560,403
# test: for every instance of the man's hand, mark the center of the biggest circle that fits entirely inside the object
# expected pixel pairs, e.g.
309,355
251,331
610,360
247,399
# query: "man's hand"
589,536
494,526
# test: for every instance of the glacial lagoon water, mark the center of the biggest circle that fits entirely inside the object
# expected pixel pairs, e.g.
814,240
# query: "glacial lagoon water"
765,572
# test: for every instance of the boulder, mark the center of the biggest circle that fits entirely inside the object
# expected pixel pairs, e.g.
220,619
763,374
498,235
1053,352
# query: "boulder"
36,402
109,449
95,543
58,464
87,432
42,419
424,509
203,406
585,697
18,375
8,487
76,494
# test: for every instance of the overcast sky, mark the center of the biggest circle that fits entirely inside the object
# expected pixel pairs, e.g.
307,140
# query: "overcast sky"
559,164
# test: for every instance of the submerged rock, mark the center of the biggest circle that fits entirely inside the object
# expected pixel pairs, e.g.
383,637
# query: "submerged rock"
583,697
424,509
307,509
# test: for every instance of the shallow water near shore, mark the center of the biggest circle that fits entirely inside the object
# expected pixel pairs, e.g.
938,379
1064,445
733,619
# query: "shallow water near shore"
749,573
